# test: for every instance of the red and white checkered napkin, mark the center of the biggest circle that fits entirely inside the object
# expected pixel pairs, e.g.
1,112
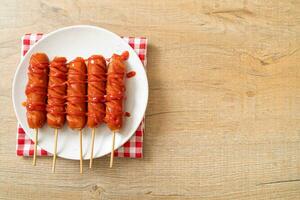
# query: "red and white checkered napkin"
133,148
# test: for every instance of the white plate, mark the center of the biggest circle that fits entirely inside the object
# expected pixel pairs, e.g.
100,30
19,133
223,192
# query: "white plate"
84,41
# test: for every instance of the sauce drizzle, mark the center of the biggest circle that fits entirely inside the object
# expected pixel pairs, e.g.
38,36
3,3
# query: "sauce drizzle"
115,91
96,71
127,114
36,90
130,74
56,92
76,94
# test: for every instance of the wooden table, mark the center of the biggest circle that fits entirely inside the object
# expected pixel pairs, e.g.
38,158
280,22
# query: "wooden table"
223,118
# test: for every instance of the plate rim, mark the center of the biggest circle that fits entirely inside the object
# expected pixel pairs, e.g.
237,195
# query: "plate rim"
72,27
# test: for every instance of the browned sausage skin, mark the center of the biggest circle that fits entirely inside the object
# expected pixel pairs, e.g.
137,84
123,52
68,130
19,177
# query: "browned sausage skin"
57,90
96,69
36,90
76,94
115,89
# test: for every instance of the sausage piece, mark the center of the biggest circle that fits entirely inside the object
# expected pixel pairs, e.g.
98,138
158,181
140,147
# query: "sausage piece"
115,89
36,90
76,94
96,69
57,90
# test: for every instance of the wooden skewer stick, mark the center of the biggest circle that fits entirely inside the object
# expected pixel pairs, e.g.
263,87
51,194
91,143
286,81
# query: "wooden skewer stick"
55,150
92,147
112,150
35,146
80,136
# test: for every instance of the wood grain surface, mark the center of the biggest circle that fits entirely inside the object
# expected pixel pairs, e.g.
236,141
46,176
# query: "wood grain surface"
223,118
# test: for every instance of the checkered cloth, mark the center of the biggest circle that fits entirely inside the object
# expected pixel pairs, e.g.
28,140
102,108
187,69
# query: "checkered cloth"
133,148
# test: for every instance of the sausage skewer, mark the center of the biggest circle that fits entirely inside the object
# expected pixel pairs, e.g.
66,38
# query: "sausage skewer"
56,98
96,69
76,98
92,147
115,90
36,93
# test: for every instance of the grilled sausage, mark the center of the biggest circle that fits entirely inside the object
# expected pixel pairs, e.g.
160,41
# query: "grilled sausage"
115,90
96,69
36,90
57,90
76,94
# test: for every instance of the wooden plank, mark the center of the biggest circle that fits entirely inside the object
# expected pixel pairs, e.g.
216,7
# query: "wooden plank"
223,118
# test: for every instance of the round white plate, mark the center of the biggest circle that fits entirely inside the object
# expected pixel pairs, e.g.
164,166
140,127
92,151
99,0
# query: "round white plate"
84,41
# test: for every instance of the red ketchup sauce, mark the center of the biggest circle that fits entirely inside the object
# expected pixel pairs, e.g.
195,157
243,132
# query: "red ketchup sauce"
127,114
59,99
76,94
115,91
130,74
36,70
75,79
57,87
96,71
